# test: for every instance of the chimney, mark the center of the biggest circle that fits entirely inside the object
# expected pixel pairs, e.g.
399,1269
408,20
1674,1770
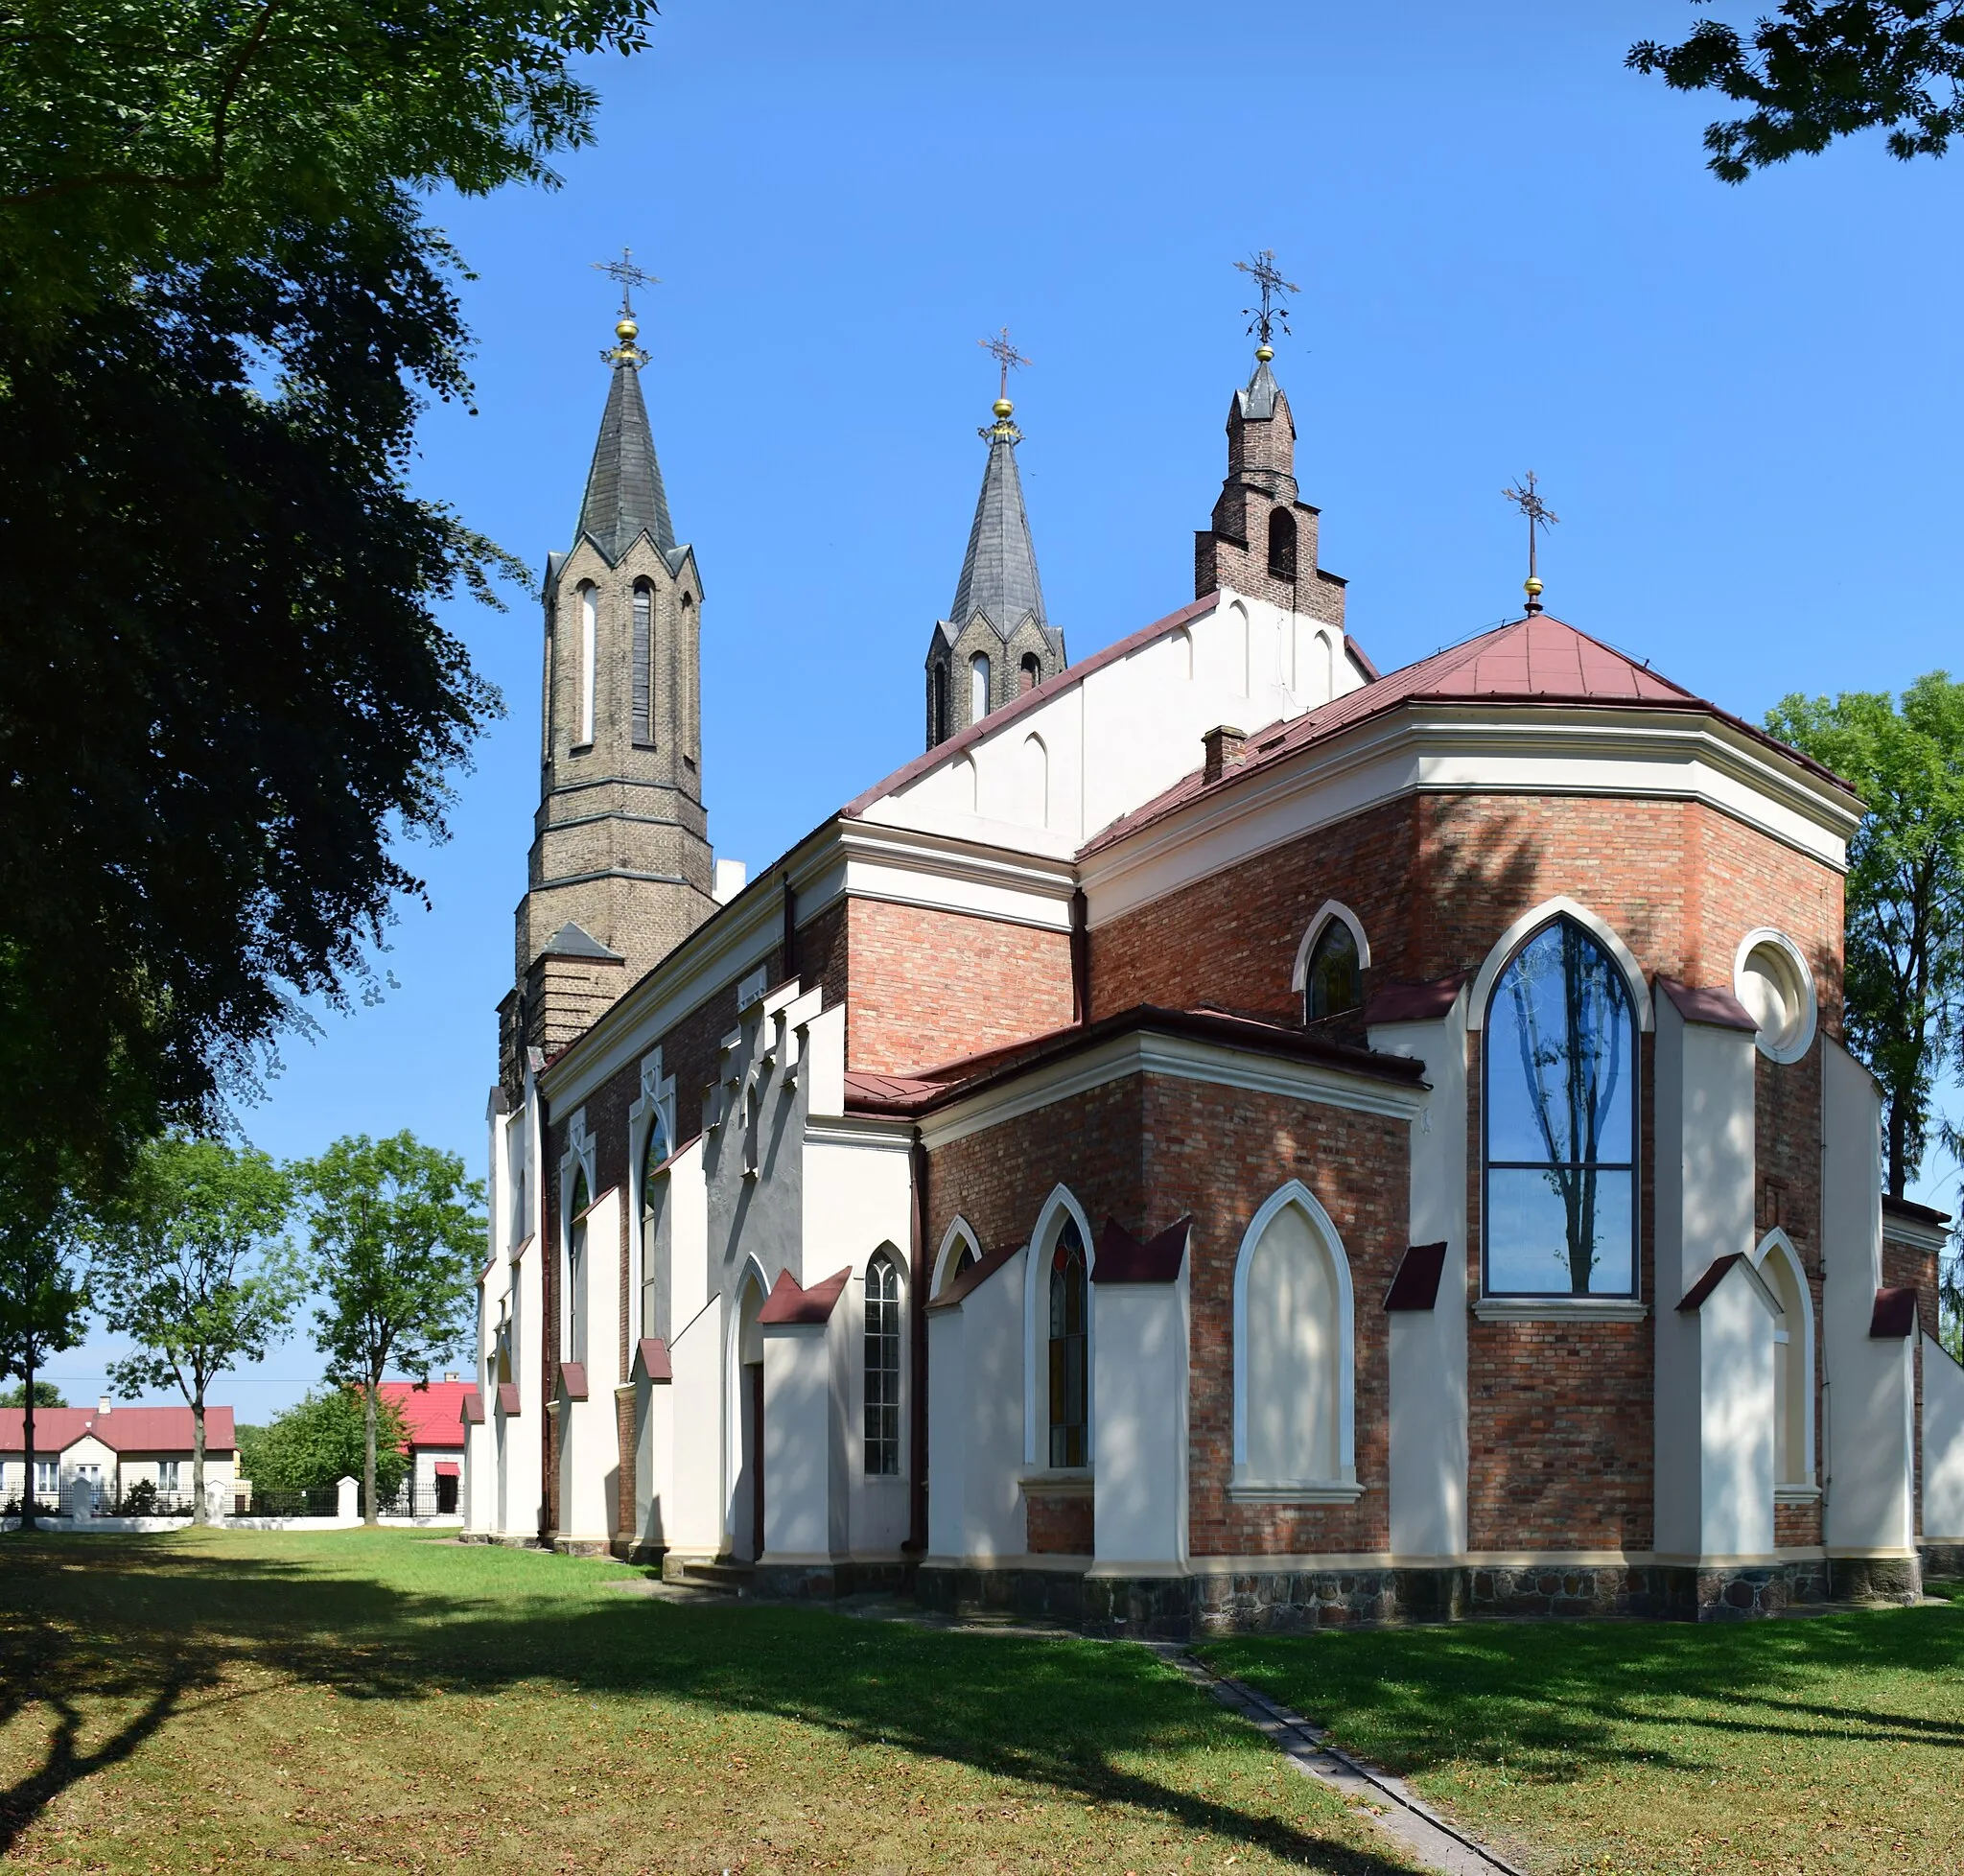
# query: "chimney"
103,1405
449,1376
1223,752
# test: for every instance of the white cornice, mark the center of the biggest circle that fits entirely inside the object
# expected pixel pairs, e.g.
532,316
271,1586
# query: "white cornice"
1522,749
1149,1051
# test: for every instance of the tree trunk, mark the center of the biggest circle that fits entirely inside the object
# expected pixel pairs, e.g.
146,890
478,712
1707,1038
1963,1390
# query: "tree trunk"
198,1514
370,1515
27,1483
1898,1131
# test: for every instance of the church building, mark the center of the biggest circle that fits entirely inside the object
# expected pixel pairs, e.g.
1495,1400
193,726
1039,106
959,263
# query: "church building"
1225,1137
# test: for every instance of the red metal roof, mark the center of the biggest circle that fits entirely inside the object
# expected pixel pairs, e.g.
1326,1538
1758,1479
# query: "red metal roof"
433,1413
122,1429
1538,660
789,1303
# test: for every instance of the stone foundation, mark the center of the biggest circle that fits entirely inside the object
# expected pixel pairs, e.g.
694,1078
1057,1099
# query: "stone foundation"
1178,1608
1876,1579
806,1583
1944,1562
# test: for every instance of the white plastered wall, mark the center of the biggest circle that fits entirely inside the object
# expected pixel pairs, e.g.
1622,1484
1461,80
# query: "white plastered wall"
798,1424
1127,730
589,1436
1705,1185
1139,1381
1427,1348
687,1488
1943,1445
1870,1382
976,1508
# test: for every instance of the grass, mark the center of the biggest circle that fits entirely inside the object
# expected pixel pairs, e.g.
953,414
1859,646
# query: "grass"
214,1700
1822,1744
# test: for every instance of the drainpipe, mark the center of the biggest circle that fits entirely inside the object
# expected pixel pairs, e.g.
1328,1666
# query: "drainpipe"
1080,960
917,1405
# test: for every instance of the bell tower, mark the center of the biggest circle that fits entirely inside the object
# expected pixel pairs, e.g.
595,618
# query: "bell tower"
620,868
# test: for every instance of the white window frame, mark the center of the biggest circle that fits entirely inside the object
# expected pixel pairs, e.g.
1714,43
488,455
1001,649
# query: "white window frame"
1804,1037
1776,1244
589,657
958,1233
1330,908
902,1380
1057,1207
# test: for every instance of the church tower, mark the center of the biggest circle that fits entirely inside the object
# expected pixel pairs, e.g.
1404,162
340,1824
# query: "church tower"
620,869
997,641
1263,540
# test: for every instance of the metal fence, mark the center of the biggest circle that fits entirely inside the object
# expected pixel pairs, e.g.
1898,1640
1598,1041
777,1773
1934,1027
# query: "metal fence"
420,1498
307,1501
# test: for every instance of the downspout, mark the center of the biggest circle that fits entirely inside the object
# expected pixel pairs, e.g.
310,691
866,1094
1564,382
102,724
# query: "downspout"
1080,960
916,1403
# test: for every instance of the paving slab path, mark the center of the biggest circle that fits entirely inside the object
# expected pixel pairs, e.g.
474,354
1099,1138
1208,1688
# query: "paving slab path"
1368,1790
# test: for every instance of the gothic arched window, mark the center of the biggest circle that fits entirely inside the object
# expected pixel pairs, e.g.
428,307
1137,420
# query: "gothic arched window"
654,1219
1332,982
576,1311
1282,544
1070,1349
937,703
588,652
978,686
1032,672
1560,1057
643,663
882,1368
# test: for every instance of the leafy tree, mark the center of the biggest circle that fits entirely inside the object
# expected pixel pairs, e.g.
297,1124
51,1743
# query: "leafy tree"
397,1235
44,1306
323,1439
1823,69
227,693
1905,912
192,1266
45,1394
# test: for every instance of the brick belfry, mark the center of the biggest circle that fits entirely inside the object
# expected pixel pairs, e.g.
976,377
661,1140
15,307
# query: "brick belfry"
997,641
620,869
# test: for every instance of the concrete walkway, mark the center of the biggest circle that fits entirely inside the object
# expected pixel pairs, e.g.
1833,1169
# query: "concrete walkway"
1369,1791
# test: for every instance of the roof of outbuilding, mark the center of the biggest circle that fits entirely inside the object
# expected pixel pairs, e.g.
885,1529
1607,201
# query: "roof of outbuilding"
122,1429
1538,660
432,1412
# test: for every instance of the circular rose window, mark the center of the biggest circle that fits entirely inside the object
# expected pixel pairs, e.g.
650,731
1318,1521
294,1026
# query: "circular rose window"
1770,978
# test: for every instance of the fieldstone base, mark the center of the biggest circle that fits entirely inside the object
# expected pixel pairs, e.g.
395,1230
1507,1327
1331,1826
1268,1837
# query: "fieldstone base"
1945,1560
492,1538
1177,1608
1876,1579
824,1582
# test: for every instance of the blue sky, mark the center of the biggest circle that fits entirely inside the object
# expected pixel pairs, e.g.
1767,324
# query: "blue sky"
1744,403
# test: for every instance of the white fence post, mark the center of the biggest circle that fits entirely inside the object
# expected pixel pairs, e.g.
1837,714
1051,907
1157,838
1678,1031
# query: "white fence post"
350,1504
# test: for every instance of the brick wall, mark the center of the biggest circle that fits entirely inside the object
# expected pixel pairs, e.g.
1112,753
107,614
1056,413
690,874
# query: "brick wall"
1150,1149
928,987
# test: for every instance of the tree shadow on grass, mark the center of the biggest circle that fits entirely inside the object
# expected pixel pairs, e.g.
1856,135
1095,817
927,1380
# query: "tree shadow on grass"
1559,1700
1062,1717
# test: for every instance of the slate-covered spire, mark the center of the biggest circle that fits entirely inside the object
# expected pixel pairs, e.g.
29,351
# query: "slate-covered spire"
1000,569
625,498
997,641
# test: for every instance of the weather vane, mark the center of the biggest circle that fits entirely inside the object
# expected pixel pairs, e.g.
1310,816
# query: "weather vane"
1273,311
625,329
1008,358
1540,516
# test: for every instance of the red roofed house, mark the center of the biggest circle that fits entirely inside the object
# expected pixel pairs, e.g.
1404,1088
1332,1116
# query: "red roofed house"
86,1458
433,1413
1225,1136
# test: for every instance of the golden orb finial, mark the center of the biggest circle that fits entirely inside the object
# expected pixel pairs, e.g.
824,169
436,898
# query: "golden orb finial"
1002,407
626,331
1265,353
1533,588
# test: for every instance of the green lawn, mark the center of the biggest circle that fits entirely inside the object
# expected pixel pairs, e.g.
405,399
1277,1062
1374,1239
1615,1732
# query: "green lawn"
213,1700
1831,1743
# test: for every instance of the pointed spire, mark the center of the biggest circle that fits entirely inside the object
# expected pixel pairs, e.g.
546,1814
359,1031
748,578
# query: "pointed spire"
1000,569
625,498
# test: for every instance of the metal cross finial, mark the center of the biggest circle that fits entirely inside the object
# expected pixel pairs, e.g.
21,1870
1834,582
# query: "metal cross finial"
1540,517
1005,355
1272,311
629,275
